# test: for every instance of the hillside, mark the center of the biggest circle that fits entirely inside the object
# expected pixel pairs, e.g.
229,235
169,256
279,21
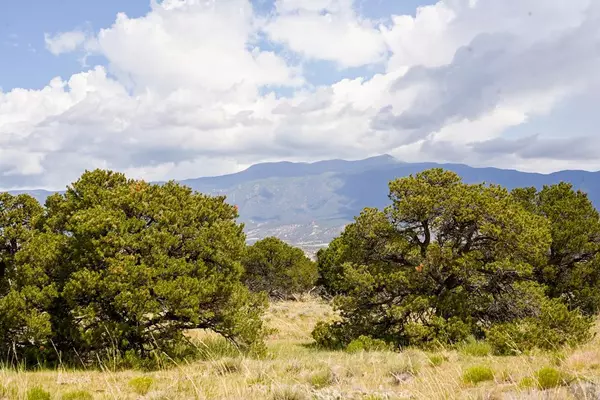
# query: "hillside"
308,204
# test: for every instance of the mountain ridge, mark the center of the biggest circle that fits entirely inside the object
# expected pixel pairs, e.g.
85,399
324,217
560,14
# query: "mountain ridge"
308,204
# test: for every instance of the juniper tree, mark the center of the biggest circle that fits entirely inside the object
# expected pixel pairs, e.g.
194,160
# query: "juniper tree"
446,260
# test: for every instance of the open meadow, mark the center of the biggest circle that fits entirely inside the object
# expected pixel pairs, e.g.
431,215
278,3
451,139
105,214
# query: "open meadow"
295,370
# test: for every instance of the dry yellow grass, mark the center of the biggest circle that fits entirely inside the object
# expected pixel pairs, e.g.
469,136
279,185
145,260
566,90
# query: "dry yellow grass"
294,370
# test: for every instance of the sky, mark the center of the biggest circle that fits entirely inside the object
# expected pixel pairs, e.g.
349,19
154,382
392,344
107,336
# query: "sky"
178,89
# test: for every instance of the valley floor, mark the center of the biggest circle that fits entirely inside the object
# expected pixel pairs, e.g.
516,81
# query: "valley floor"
294,370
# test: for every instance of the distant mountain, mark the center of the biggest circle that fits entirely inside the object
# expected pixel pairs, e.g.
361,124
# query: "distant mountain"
308,204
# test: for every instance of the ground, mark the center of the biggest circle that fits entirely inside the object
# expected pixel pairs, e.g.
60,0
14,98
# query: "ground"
295,370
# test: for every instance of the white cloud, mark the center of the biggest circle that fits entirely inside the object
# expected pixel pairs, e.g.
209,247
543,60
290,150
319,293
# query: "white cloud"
188,89
327,30
64,42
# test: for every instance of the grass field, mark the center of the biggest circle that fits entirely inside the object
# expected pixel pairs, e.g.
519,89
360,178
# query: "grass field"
295,370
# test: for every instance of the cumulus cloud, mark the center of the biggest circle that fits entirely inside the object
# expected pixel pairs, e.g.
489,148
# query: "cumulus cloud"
198,88
328,30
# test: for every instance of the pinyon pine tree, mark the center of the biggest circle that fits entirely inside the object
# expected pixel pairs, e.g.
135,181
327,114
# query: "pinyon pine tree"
445,261
125,266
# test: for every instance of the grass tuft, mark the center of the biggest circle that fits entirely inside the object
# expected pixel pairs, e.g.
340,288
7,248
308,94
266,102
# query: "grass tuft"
476,349
477,374
77,395
141,385
322,378
37,393
549,377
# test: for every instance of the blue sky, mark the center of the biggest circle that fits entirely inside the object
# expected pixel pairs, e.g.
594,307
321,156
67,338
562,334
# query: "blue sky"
187,88
25,63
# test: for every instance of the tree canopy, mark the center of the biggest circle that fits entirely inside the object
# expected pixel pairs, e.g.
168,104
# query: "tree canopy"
571,270
121,265
445,261
275,267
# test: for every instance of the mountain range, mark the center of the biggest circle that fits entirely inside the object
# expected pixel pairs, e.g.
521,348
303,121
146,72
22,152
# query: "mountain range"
308,204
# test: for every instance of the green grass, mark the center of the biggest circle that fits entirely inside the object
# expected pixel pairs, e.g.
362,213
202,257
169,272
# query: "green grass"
549,377
37,393
141,385
476,349
477,374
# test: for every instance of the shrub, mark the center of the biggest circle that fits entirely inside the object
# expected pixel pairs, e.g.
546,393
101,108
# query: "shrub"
416,274
137,264
444,262
476,349
548,378
77,395
141,385
555,327
478,374
366,343
277,268
37,393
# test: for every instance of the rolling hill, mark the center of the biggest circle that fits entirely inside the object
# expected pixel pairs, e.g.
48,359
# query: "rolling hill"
308,204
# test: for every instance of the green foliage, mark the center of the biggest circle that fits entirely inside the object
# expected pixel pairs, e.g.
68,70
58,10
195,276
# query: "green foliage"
477,374
26,292
476,348
117,268
554,327
367,343
141,384
277,268
571,269
445,262
77,395
548,378
37,393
